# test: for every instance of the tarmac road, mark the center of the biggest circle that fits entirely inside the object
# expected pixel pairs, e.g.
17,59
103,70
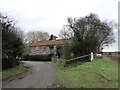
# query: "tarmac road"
41,75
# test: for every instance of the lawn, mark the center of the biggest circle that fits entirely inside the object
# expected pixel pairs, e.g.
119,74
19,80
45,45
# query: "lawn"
100,73
15,70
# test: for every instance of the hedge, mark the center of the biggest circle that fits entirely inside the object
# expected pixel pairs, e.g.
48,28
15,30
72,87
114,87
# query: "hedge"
9,62
37,57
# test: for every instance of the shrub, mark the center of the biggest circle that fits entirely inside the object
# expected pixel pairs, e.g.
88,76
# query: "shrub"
59,61
12,44
37,57
66,51
25,57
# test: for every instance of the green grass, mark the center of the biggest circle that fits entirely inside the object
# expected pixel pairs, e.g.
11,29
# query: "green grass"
100,73
15,70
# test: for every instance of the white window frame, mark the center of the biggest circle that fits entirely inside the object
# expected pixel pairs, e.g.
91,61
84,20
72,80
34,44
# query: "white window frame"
37,48
43,47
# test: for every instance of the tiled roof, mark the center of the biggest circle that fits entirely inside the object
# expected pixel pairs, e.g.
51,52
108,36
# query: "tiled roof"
50,42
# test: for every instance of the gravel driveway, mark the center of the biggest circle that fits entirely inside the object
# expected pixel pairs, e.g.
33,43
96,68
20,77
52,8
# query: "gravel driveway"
41,75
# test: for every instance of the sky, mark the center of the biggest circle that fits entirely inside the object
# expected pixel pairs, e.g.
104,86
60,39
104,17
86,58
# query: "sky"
50,15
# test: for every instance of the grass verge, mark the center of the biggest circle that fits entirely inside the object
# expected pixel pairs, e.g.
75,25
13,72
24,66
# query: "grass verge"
100,73
15,71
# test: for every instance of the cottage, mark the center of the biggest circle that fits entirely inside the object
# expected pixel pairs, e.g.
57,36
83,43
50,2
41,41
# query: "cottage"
46,47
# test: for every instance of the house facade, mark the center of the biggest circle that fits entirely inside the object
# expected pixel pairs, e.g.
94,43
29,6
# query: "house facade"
39,49
46,47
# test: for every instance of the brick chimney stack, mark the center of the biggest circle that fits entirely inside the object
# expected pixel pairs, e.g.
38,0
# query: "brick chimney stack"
53,37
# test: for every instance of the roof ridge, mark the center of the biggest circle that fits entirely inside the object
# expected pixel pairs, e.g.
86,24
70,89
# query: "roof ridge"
48,42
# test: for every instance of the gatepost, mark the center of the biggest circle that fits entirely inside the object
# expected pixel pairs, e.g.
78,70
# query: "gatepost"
91,56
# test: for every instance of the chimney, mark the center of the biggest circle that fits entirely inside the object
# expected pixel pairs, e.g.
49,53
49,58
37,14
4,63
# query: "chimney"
53,37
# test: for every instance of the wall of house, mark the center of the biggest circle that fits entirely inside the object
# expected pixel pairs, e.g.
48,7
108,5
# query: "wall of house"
39,50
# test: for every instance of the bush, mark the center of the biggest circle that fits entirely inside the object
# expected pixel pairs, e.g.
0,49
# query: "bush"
59,61
12,44
25,57
37,57
8,63
66,51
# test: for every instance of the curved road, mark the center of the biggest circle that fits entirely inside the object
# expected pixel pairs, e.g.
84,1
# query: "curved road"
41,75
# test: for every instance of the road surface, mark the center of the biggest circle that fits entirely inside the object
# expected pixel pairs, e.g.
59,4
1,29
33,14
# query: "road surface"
41,75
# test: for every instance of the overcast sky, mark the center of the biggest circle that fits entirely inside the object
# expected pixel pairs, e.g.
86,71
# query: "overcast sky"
51,15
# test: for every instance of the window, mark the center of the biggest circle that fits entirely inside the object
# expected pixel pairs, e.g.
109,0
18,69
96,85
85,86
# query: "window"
37,48
54,47
43,47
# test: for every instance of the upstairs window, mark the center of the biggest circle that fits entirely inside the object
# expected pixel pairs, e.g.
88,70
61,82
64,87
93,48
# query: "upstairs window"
37,48
43,47
54,47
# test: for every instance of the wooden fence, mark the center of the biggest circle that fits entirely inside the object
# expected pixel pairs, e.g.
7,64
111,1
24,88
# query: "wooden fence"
81,58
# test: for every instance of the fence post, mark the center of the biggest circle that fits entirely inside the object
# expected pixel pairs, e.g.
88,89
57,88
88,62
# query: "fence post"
91,56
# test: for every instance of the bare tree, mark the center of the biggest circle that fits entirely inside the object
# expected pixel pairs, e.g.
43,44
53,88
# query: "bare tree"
19,32
33,36
66,33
